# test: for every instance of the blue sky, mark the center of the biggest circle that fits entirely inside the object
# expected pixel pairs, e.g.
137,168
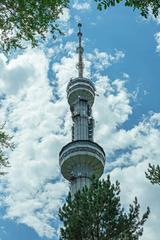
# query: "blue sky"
122,58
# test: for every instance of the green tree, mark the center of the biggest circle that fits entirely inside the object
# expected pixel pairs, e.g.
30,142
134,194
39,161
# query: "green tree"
5,142
153,174
96,213
145,6
28,20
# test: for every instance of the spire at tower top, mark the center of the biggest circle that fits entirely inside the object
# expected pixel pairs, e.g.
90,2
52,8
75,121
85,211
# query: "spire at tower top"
80,50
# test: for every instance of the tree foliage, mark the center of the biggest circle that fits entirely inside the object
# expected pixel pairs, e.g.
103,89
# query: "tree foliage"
145,6
153,174
24,21
96,213
28,20
5,142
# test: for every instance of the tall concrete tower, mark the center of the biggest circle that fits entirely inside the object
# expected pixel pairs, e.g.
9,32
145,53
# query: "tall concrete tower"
82,157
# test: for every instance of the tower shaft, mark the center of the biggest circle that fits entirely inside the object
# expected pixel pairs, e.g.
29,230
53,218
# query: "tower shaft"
82,128
82,157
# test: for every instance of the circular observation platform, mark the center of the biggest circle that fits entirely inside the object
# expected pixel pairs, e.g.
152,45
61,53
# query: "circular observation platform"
81,152
80,87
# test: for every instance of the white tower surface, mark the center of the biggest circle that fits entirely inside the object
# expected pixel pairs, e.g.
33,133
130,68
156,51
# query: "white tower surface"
81,158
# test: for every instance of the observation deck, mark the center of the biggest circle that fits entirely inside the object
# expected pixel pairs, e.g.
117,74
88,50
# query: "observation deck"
80,87
86,154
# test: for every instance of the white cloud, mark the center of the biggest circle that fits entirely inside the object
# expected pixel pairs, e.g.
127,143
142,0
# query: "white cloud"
81,5
138,144
157,37
14,76
153,18
114,99
65,15
103,60
38,128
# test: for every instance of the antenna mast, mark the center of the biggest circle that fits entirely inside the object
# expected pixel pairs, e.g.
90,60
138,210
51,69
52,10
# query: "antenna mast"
80,51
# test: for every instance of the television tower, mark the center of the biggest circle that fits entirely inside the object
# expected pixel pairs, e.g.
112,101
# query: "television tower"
82,157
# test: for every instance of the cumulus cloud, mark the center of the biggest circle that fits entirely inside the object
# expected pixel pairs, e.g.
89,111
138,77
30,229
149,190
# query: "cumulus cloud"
153,18
65,15
157,37
104,59
139,143
81,5
14,76
39,131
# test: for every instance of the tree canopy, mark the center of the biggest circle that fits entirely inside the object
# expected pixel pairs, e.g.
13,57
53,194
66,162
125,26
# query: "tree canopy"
5,142
145,6
96,213
153,174
28,20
